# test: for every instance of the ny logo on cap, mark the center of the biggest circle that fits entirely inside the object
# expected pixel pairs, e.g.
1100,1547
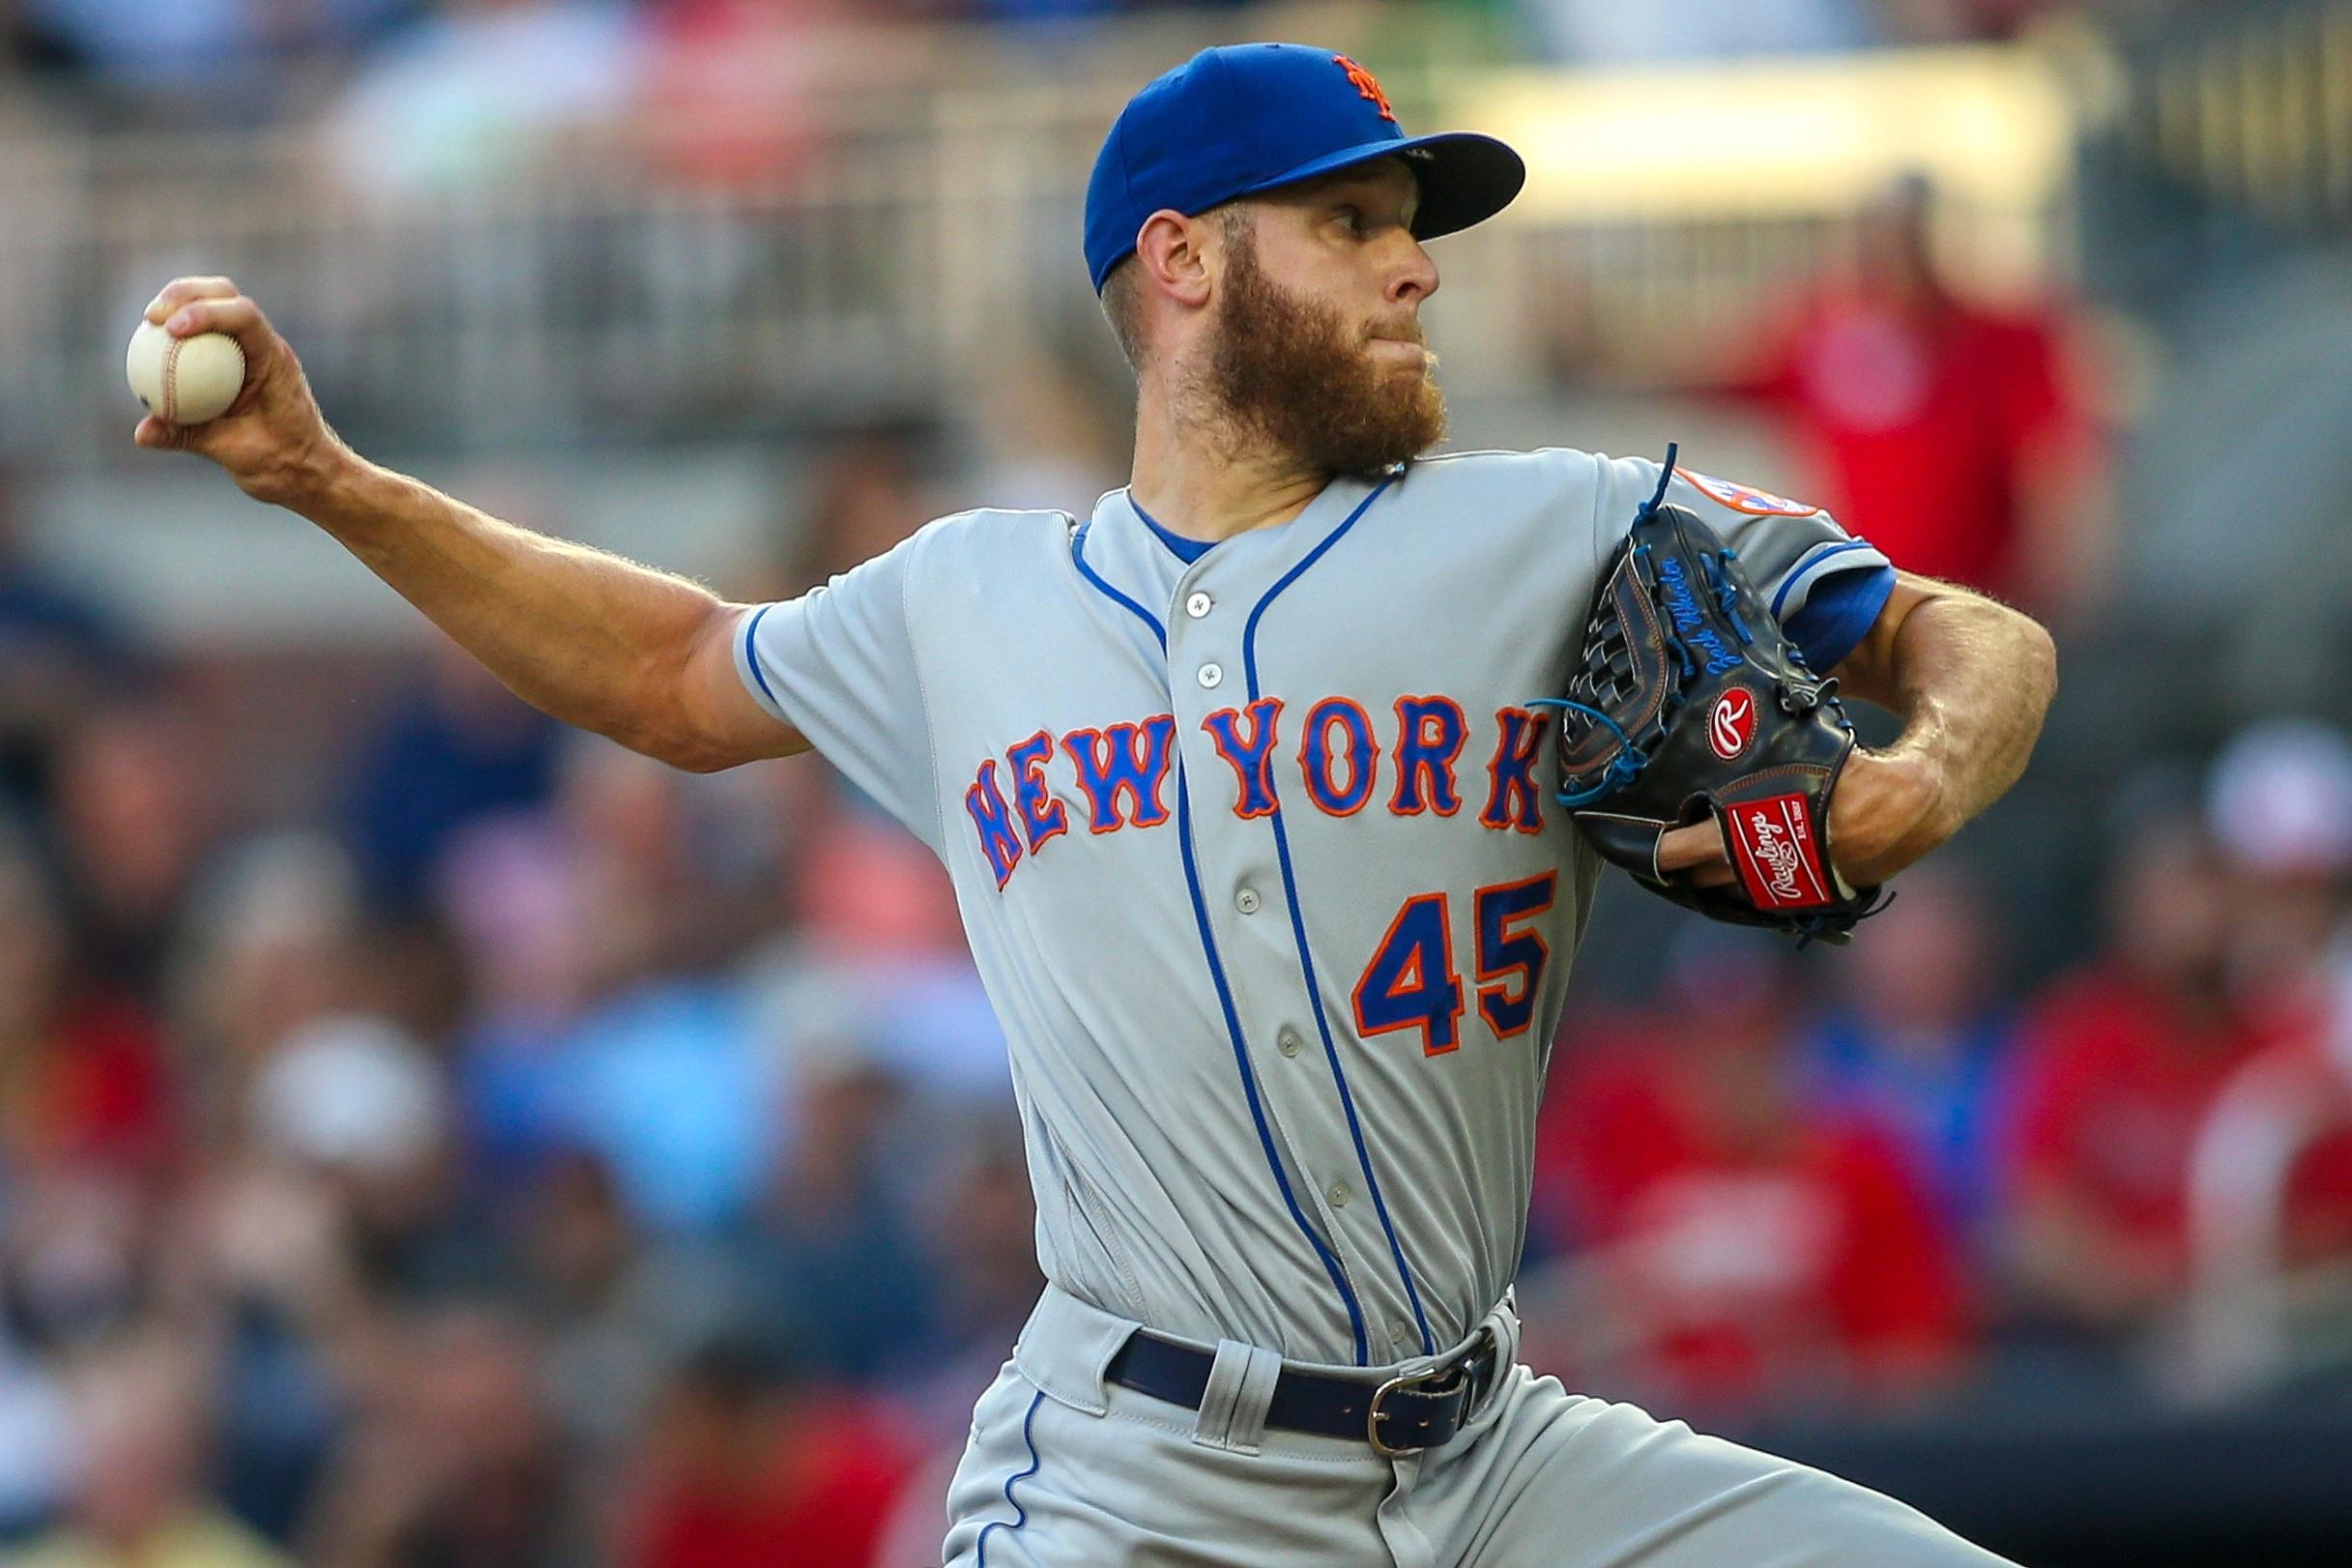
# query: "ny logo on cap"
1363,82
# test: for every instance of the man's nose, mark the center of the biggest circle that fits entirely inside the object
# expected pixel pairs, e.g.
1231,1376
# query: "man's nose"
1415,277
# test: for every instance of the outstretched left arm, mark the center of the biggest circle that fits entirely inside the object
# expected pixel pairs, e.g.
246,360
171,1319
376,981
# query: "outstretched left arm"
1971,680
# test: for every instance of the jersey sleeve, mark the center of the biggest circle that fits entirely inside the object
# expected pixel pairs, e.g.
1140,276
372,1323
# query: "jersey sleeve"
838,664
1826,586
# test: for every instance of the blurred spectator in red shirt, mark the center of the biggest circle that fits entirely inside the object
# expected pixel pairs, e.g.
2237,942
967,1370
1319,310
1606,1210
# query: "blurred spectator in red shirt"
2279,800
2270,1197
1745,1249
2268,1178
2119,1064
81,1073
1945,434
748,1465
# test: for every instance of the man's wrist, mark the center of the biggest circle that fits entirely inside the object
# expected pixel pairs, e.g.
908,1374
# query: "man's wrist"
1921,752
306,481
326,483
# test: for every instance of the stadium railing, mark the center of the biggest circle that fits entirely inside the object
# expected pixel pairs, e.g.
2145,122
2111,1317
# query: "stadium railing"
600,282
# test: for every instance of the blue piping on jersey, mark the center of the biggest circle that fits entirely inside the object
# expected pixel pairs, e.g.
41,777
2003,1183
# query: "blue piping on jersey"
1224,994
1808,562
1020,1514
1298,929
1078,553
751,660
1249,1079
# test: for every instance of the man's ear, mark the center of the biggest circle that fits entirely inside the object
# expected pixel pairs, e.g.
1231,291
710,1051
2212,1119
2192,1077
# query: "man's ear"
1172,251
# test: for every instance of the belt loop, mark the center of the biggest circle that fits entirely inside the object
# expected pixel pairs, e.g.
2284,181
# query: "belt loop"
1240,1390
1504,1321
1065,1345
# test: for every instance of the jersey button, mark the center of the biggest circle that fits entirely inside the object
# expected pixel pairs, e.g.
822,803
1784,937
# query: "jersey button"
1400,1334
1197,604
1339,1195
1287,1042
1210,676
1246,901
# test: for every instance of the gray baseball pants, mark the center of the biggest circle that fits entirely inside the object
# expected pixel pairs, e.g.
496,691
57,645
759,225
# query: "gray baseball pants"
1064,1470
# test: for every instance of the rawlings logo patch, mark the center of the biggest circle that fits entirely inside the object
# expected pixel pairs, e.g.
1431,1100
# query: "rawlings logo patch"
1732,724
1776,852
1745,497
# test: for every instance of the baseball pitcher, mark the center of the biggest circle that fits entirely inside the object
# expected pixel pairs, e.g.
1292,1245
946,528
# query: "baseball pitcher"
1251,794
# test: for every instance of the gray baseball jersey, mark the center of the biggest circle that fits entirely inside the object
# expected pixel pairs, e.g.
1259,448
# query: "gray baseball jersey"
1259,862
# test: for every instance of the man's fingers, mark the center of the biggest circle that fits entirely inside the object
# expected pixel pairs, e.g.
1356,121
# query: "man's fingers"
166,437
240,319
236,316
180,290
1696,854
1698,846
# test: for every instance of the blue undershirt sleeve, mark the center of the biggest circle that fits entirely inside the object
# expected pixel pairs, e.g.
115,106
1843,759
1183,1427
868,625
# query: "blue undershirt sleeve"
1839,614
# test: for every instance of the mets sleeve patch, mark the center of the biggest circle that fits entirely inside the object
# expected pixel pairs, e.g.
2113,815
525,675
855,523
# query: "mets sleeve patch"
1745,496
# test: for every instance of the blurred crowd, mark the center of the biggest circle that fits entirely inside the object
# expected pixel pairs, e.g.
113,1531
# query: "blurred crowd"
409,83
485,1147
1883,1178
531,1155
527,1155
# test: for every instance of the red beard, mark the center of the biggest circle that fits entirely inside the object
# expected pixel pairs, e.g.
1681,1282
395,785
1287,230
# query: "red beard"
1292,371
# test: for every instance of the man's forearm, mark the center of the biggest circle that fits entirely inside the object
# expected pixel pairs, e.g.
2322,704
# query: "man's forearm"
596,641
1971,680
586,636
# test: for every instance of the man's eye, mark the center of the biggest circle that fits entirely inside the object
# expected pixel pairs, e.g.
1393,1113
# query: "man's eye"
1350,219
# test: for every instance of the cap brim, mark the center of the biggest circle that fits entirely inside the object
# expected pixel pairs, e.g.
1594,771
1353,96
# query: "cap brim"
1465,178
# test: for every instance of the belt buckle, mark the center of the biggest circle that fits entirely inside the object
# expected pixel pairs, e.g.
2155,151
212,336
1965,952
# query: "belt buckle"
1481,1343
1409,1379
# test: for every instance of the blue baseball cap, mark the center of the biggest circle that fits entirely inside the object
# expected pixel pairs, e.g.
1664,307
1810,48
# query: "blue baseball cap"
1248,117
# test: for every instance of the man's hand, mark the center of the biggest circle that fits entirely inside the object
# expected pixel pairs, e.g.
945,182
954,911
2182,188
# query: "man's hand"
272,440
1886,813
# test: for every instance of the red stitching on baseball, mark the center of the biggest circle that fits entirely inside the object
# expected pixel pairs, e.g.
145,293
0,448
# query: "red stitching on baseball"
171,380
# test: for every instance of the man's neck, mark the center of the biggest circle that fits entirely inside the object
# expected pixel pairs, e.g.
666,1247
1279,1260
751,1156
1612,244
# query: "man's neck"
1205,480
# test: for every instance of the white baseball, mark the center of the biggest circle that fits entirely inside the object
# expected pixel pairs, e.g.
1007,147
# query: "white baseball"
185,380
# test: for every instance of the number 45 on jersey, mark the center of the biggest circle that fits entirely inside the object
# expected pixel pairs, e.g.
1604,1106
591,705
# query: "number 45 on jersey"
1411,982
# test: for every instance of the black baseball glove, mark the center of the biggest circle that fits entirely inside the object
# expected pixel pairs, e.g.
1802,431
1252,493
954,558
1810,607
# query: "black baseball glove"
1692,703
